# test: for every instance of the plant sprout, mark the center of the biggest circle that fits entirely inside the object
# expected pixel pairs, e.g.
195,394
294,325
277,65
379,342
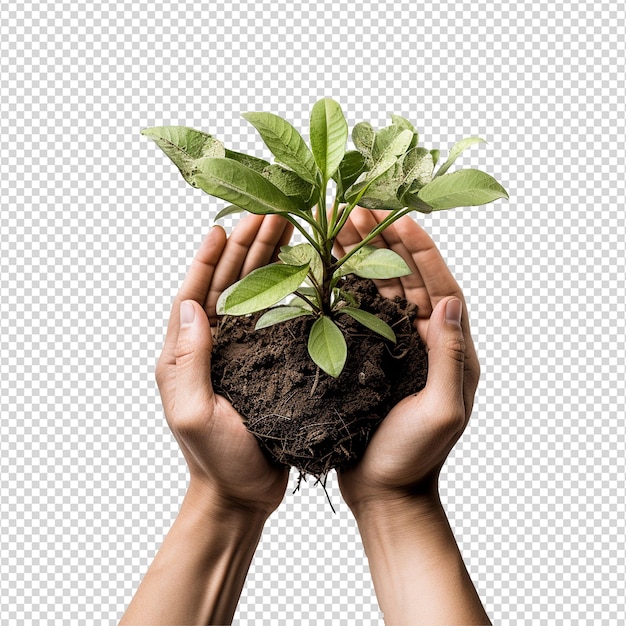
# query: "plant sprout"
388,170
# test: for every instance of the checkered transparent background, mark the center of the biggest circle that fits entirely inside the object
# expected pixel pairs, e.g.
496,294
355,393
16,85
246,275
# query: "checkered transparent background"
97,230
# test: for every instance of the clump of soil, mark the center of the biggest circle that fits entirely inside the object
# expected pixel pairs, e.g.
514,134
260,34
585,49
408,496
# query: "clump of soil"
301,416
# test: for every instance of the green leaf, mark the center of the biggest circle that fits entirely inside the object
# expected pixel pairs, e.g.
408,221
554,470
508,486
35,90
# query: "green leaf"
300,303
301,254
311,294
297,255
384,138
461,188
327,346
418,171
290,184
347,297
261,289
413,201
357,192
228,210
417,167
286,144
329,133
390,154
372,262
387,160
363,138
370,321
398,120
254,163
435,154
455,151
307,291
382,192
350,169
185,146
280,314
231,181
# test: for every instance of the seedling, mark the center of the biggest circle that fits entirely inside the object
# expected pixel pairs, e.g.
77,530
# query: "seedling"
388,170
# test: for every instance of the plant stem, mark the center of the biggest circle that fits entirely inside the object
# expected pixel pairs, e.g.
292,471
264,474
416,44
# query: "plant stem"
311,221
322,218
302,230
390,219
343,218
307,300
326,290
333,218
316,285
348,209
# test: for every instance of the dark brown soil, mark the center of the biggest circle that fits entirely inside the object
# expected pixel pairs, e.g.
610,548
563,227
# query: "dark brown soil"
301,416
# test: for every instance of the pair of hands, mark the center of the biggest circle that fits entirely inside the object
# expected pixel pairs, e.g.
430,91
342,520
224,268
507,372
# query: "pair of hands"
408,449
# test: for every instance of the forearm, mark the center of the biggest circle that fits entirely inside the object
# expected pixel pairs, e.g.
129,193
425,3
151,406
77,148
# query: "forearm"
417,569
199,571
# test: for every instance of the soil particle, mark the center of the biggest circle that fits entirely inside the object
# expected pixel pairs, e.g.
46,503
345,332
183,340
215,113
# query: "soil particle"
301,416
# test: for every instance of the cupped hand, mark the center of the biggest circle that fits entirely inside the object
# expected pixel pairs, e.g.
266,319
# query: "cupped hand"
408,449
225,461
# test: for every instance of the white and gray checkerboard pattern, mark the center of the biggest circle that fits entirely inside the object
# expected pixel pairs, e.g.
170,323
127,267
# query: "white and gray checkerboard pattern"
97,230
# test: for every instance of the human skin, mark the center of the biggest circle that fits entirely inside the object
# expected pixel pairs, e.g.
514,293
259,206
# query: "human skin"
417,569
418,572
200,569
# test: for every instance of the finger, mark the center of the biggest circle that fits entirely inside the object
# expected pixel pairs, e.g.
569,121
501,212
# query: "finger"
446,365
471,375
347,238
433,277
412,284
232,260
262,250
364,222
194,391
254,242
237,248
456,353
284,240
434,274
194,287
200,275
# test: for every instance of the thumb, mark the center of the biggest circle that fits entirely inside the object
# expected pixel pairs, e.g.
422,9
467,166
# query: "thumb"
446,356
193,355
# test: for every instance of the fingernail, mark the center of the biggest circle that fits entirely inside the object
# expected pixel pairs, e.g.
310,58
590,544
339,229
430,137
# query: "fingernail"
453,311
187,313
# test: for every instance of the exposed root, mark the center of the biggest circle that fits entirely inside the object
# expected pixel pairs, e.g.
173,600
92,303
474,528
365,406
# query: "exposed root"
315,382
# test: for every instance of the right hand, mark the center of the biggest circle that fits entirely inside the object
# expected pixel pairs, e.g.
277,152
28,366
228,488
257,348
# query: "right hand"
225,461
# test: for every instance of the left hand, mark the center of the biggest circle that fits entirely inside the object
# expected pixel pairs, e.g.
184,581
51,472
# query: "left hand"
225,461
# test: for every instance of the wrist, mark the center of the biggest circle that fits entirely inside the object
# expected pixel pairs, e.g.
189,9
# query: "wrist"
393,504
199,572
218,509
417,569
394,521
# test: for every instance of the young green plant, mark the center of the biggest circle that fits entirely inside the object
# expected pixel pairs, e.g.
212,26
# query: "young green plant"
387,170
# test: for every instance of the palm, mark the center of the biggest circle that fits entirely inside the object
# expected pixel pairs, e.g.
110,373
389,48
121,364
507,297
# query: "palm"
392,461
412,442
